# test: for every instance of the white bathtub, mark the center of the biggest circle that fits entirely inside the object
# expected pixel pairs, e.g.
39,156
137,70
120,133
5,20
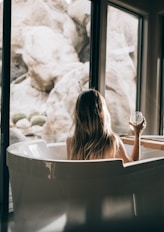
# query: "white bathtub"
52,194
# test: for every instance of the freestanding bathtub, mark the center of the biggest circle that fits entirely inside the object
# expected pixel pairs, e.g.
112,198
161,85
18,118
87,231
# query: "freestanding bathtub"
52,194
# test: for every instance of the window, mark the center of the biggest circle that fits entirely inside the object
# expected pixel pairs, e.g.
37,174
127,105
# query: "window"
49,66
121,67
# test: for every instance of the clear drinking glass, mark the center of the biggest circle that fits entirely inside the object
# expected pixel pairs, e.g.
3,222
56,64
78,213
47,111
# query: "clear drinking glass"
136,118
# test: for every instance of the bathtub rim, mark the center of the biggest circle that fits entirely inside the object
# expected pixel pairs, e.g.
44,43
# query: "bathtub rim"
11,151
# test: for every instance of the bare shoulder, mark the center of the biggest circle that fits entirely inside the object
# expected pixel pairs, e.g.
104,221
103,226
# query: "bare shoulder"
122,153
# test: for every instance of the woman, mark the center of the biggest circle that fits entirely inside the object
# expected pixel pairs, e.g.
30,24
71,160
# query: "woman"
93,137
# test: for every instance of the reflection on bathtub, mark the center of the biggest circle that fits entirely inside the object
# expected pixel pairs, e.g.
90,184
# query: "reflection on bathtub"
118,207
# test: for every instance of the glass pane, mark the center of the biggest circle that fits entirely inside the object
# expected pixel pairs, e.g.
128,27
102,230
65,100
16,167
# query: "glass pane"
121,66
49,66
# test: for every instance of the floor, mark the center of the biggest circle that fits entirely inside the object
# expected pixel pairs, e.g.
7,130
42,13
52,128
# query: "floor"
11,214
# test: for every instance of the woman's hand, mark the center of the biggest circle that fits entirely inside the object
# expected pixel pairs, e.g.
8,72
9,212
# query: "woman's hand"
139,128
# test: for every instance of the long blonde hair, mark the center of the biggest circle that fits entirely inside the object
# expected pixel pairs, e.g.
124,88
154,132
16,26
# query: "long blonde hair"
92,127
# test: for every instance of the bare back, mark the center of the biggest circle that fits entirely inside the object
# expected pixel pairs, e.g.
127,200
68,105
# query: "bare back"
109,152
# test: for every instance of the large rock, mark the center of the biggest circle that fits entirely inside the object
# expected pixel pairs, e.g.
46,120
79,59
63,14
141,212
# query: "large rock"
26,99
52,14
61,101
44,50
